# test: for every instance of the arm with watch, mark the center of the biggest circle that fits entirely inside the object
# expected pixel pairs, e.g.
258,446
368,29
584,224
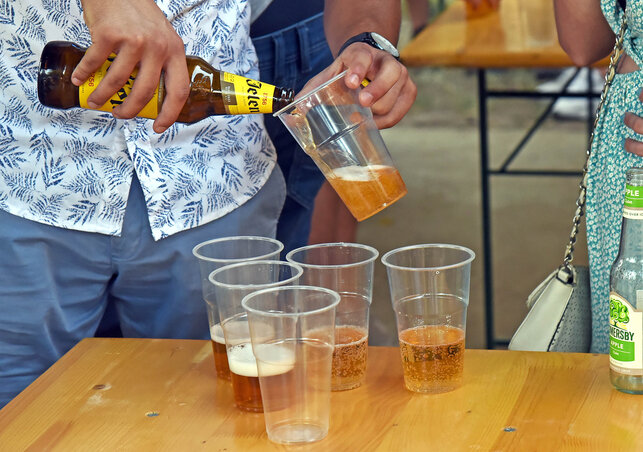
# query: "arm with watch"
362,37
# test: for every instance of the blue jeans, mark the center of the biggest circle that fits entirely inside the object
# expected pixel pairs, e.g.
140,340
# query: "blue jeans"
289,58
55,283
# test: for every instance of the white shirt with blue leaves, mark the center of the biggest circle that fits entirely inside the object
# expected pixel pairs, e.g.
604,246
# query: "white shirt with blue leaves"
73,168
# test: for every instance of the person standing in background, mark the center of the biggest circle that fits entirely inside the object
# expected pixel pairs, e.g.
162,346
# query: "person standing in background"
586,31
290,40
291,46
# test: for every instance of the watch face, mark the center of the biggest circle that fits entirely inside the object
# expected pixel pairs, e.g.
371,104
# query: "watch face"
385,44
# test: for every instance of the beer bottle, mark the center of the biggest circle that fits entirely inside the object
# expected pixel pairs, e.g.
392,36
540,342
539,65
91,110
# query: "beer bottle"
626,293
212,92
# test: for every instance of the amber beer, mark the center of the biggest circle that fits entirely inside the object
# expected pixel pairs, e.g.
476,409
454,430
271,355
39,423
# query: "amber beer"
219,351
212,92
245,377
349,358
432,357
367,189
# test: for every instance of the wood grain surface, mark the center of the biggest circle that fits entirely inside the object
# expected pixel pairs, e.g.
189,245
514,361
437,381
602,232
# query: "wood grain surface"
521,33
146,394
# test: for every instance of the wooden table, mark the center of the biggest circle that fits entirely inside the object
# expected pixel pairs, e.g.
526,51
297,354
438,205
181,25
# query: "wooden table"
144,395
520,34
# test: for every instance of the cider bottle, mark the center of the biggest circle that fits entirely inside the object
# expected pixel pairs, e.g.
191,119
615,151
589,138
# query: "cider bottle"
626,293
212,92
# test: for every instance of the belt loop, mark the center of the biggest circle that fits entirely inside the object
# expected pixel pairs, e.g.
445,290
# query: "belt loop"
280,55
304,47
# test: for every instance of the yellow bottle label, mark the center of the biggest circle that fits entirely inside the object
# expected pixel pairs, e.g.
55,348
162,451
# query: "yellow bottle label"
150,110
242,95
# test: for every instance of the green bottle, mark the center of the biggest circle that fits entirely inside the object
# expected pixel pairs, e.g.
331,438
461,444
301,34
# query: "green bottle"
626,293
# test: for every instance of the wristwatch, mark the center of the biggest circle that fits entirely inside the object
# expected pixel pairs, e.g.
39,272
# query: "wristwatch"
374,40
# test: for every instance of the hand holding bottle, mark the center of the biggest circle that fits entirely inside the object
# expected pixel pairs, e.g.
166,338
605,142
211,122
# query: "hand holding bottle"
143,39
390,93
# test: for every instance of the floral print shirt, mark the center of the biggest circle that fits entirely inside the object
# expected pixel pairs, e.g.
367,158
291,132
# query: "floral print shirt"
73,168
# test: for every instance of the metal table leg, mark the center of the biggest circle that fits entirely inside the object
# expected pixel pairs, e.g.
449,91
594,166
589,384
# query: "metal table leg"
486,207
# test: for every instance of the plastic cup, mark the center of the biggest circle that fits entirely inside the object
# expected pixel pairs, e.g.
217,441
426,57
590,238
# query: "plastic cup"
346,268
216,253
231,283
341,137
292,330
430,293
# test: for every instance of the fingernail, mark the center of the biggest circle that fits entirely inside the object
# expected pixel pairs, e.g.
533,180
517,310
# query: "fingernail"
75,80
366,99
93,105
353,79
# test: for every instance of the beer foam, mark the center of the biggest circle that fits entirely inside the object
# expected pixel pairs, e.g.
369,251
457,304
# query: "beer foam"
242,361
358,173
275,360
216,333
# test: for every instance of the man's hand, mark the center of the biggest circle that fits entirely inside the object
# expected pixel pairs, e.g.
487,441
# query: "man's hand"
142,38
390,93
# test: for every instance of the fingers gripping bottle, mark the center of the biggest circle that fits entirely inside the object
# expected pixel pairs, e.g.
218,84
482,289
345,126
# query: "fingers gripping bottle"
212,92
626,293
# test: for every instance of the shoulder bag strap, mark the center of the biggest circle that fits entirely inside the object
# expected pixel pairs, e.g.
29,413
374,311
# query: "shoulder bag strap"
565,268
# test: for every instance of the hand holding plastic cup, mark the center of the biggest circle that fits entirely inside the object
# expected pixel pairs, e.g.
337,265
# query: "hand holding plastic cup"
346,268
341,137
292,331
232,283
214,254
430,293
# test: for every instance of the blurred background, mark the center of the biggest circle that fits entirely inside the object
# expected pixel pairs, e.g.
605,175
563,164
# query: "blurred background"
436,148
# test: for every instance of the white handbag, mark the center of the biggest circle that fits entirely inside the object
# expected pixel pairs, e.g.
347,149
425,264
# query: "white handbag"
559,317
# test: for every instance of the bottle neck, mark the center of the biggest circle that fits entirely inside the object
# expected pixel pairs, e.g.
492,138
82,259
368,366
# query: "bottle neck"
631,236
282,98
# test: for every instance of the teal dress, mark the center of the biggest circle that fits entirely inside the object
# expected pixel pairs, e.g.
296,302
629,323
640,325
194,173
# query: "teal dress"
607,166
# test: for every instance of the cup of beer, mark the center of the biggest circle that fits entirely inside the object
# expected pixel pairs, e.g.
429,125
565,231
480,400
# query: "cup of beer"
292,331
214,254
231,283
429,287
346,268
341,137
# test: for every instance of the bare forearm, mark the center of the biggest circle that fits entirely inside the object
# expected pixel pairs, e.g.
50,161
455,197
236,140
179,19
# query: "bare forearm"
583,31
344,19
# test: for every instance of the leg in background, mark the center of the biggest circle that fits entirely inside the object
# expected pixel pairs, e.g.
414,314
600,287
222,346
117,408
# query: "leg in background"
332,221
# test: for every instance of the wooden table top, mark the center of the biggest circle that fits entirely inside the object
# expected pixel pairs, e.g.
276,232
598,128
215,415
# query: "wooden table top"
147,394
521,33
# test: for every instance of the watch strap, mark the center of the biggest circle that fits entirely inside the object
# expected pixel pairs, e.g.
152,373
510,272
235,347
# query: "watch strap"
366,38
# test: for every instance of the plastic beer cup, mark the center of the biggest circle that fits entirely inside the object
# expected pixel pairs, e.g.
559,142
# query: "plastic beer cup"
292,331
231,283
346,268
342,139
430,293
216,253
